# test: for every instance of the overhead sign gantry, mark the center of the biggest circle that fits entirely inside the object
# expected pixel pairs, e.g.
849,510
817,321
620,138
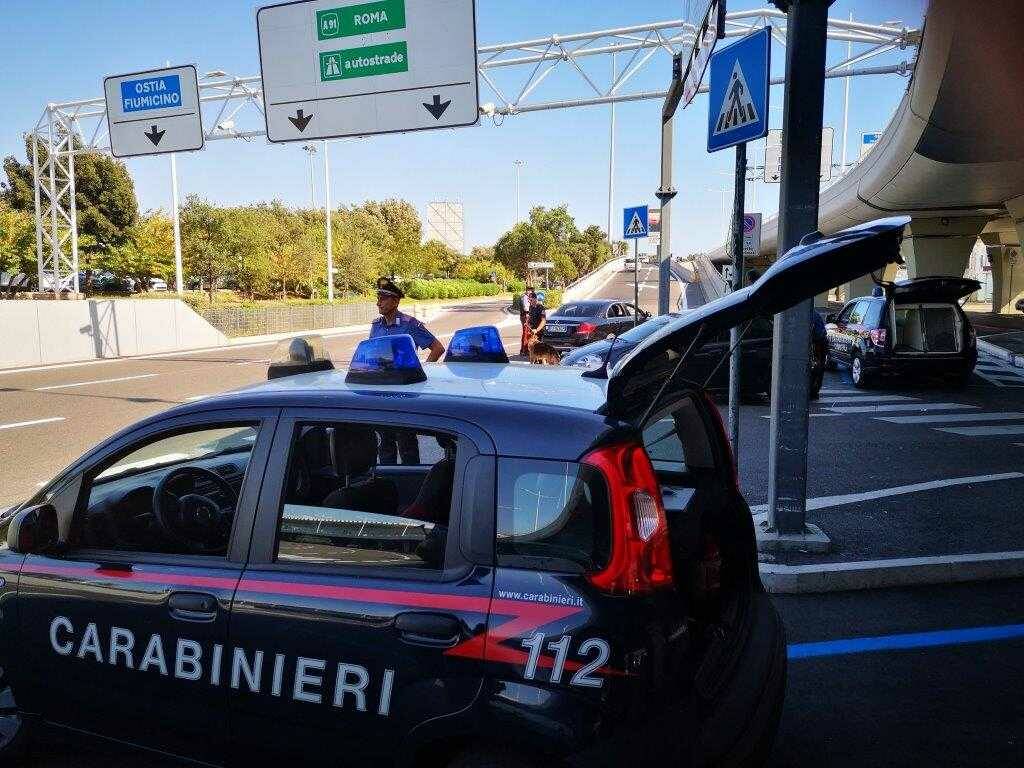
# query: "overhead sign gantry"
332,68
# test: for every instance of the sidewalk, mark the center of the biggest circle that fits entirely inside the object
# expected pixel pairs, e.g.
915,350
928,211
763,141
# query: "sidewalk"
999,335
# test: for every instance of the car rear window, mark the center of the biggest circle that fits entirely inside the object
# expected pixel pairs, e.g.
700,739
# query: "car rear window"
923,328
552,515
580,310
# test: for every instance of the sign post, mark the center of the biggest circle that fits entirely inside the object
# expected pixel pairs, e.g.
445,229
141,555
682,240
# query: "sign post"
634,226
331,68
738,113
806,26
154,112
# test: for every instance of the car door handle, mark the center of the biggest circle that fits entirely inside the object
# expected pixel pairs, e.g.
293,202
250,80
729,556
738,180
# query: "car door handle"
193,606
437,630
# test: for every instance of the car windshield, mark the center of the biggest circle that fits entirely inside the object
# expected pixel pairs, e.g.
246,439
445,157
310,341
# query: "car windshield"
645,329
581,309
190,446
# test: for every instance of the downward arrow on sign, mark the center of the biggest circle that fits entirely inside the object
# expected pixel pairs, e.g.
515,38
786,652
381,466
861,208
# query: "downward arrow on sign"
301,119
154,135
437,107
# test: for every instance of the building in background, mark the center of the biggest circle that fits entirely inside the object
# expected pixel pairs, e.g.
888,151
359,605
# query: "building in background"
445,222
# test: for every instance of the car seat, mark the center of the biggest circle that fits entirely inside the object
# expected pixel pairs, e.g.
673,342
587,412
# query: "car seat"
355,450
434,500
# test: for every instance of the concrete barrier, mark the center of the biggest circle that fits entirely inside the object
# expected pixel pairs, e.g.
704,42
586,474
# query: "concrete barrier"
49,332
586,285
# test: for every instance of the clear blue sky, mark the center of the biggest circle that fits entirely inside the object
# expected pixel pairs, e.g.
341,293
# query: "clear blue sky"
60,50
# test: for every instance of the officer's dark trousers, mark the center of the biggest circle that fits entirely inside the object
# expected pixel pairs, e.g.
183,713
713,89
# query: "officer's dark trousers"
394,442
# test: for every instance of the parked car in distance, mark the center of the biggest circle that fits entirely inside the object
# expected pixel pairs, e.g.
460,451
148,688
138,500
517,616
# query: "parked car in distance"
915,330
580,322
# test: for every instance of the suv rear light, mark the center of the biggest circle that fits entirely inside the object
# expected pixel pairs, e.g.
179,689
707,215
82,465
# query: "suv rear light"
586,328
641,557
877,336
972,337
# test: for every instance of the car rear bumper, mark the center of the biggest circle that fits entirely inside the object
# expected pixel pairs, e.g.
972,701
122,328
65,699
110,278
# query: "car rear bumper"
920,365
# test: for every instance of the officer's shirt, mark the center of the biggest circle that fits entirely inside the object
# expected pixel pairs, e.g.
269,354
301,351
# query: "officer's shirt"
402,324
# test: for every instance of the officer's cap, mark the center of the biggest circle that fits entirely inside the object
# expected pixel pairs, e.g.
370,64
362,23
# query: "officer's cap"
387,286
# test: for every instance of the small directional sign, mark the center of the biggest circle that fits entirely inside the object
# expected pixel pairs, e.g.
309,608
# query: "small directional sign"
153,112
738,103
353,68
634,222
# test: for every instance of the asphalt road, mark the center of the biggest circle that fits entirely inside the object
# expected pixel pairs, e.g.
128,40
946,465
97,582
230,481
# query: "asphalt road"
50,416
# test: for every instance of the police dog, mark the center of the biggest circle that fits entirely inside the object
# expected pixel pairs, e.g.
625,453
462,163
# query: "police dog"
540,352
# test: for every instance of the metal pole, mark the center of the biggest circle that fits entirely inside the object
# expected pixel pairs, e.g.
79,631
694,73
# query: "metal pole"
739,193
518,164
665,243
636,279
179,281
54,233
846,99
39,212
312,183
798,216
73,210
327,217
611,158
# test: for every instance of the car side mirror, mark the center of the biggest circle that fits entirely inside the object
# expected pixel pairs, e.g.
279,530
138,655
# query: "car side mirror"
831,317
34,530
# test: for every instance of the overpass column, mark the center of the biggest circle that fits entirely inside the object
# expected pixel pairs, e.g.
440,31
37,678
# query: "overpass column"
1010,275
940,246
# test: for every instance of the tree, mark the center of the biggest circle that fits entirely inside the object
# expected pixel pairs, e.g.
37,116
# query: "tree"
149,252
522,244
204,251
438,258
401,249
17,246
557,222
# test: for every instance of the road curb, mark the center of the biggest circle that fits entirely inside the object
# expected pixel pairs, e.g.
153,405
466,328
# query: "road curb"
897,572
1017,361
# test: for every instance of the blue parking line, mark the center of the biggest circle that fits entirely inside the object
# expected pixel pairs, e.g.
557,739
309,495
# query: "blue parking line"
900,642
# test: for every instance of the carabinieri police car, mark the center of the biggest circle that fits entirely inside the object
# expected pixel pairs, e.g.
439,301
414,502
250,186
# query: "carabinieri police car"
567,576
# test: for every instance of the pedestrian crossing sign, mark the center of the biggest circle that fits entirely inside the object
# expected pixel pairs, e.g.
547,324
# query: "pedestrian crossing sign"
738,103
634,222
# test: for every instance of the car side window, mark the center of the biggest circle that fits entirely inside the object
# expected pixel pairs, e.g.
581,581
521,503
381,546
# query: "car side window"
873,314
169,494
349,502
627,310
614,311
844,316
857,315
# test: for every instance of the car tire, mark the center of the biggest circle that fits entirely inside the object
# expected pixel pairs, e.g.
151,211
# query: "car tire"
857,373
491,759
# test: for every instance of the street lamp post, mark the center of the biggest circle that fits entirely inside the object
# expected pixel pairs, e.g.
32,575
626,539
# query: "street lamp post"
518,164
310,151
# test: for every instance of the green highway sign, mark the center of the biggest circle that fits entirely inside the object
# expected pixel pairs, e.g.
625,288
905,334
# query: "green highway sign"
362,19
334,68
385,59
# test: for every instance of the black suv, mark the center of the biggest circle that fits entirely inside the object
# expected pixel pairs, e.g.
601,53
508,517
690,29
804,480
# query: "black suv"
916,328
559,570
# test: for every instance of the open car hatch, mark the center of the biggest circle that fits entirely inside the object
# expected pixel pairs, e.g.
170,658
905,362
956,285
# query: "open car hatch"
949,289
816,265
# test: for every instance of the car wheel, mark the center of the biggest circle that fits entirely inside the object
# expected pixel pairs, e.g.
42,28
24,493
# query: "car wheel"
857,373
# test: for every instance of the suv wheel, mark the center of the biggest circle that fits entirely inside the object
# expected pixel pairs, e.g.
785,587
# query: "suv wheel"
857,372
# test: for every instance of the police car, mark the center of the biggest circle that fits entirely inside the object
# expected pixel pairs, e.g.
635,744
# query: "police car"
567,573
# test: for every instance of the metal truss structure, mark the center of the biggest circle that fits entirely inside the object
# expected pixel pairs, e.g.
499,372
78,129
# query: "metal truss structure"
233,106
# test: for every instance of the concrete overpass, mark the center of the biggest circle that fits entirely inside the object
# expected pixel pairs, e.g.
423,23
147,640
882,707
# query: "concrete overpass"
952,156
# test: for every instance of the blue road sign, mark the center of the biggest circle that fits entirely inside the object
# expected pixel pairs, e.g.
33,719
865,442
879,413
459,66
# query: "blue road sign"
159,92
738,103
634,222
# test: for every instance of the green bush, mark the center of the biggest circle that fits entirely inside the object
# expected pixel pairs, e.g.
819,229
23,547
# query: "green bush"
448,289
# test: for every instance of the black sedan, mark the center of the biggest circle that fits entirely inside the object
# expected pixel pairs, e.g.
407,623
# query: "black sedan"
580,322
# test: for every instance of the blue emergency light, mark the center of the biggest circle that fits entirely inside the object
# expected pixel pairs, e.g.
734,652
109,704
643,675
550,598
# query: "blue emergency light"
479,344
386,360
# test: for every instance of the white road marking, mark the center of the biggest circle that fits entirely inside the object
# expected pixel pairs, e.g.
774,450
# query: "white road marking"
1004,429
854,399
901,407
954,417
97,381
17,424
850,391
812,415
823,502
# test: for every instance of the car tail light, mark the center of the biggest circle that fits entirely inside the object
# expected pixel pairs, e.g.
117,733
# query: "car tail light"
586,328
972,337
877,336
641,556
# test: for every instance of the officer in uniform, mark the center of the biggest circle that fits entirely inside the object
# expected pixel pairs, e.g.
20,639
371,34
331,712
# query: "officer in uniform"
394,323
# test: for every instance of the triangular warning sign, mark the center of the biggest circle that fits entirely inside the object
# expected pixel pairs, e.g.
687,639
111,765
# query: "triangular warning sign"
737,106
636,226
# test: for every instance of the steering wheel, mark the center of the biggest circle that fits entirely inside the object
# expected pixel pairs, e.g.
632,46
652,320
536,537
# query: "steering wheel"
194,520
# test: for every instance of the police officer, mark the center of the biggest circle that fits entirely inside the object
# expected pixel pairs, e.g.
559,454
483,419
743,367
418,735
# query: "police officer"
394,323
